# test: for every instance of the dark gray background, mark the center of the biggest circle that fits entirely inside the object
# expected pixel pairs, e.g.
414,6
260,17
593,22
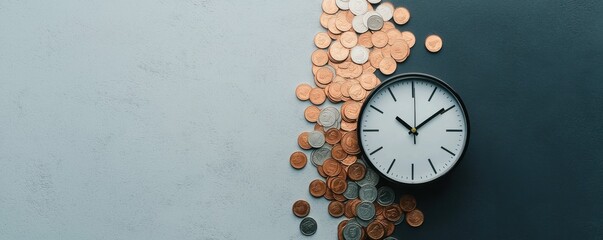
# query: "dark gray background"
531,76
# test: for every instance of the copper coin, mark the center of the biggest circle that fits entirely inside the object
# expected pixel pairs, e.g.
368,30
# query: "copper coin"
356,171
338,52
349,142
392,213
333,136
394,35
366,40
336,209
409,37
341,21
320,57
321,172
324,75
340,227
302,91
375,57
339,197
349,39
317,96
379,39
324,19
301,208
331,167
348,209
329,195
433,43
318,188
399,51
351,110
368,82
348,126
338,153
357,92
322,40
375,230
415,218
329,6
401,15
339,186
387,66
302,141
311,113
298,160
351,159
408,203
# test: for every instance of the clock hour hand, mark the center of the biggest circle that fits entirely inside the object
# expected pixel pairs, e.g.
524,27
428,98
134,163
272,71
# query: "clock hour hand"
430,118
403,123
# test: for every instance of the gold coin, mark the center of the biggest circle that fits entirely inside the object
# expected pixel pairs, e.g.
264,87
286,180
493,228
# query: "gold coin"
338,52
303,91
409,37
320,57
349,39
379,39
388,65
433,43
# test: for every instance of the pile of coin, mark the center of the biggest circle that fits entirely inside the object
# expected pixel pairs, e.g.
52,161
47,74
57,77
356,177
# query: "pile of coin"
360,39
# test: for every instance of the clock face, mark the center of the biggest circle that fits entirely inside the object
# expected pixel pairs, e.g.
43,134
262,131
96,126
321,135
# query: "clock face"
413,128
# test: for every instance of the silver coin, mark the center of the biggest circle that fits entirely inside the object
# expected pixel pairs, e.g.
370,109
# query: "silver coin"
358,7
374,23
328,117
308,226
358,24
370,178
343,4
364,223
368,193
369,14
359,54
390,238
352,191
374,1
386,10
385,196
319,156
365,211
352,231
316,139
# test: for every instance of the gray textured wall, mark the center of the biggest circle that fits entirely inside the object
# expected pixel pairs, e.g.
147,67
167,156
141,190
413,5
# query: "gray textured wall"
168,119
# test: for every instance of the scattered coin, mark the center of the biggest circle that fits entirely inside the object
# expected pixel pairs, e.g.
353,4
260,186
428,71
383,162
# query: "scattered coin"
433,43
301,208
401,15
352,231
375,230
316,139
408,203
308,226
375,23
415,218
358,7
356,171
303,91
365,211
386,10
335,209
359,54
298,160
368,193
385,196
318,188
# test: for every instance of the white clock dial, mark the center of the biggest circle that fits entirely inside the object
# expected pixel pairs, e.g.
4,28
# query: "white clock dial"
413,128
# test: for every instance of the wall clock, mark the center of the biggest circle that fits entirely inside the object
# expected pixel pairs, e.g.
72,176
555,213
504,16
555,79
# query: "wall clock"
413,128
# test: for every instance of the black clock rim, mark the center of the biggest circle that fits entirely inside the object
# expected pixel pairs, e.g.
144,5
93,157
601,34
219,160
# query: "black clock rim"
426,77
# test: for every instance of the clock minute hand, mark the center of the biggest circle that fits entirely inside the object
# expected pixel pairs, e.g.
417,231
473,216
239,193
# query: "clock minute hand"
403,123
429,119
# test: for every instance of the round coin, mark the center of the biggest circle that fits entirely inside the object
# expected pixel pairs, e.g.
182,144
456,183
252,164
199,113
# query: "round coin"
415,218
308,226
401,16
388,65
385,196
301,208
322,40
375,230
392,213
318,188
359,54
302,91
433,43
298,160
368,193
358,7
358,24
316,139
365,211
408,202
352,190
302,141
319,156
386,10
317,96
352,231
374,23
356,171
335,209
332,136
311,113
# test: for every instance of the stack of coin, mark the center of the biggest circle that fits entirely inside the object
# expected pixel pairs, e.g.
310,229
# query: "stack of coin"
359,39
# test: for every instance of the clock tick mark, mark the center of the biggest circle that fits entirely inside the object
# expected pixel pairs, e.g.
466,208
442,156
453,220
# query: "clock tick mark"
454,130
434,90
391,93
430,163
378,110
391,165
448,151
377,150
412,171
370,130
